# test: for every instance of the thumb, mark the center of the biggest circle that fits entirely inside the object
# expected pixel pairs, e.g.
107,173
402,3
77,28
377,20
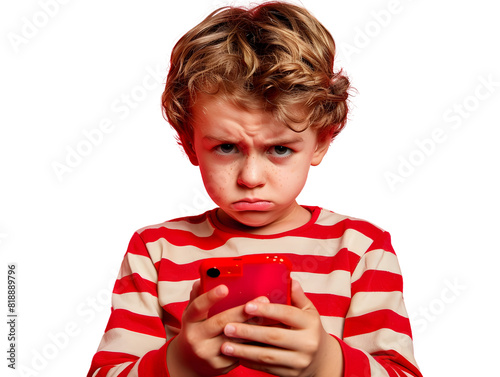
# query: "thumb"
299,298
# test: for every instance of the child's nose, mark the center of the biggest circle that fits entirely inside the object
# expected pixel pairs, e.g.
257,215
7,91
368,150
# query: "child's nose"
252,173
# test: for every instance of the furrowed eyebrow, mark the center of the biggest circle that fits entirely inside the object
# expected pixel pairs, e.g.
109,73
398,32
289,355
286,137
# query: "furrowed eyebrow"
285,141
270,142
220,139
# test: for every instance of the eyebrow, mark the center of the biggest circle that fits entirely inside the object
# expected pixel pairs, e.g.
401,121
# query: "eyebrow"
220,139
276,141
285,140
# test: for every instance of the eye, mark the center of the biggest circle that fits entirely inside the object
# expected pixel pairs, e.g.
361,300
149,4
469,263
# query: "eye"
226,149
280,151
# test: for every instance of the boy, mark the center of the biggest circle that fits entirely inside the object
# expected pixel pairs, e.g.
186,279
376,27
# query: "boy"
254,99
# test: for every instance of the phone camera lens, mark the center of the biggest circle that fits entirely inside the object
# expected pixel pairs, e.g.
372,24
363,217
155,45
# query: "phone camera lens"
213,272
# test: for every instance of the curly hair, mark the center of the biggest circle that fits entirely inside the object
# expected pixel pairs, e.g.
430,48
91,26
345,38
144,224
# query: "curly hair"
276,57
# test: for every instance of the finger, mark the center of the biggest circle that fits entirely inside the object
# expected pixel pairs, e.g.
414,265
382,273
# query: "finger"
195,290
198,308
285,314
236,314
299,298
183,355
261,299
269,335
215,324
269,359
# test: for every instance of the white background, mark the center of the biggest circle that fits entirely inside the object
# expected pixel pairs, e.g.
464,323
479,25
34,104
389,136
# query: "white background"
420,69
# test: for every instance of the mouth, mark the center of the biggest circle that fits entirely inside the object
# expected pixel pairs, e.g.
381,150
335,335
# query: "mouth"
252,204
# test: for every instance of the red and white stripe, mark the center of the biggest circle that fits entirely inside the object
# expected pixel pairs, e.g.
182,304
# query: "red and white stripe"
346,266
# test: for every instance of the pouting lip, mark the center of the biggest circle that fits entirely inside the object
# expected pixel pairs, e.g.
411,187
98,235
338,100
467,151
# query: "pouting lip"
251,200
252,204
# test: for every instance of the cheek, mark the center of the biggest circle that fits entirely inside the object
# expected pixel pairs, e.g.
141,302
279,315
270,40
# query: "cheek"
215,180
292,179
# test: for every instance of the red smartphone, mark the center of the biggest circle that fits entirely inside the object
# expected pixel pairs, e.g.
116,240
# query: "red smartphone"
247,277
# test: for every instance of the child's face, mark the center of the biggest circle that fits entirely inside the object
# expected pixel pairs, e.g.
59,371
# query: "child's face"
253,167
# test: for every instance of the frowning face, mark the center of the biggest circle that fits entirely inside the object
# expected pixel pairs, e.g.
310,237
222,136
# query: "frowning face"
253,167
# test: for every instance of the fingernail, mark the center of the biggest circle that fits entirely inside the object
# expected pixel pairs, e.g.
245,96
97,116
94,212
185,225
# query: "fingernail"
250,307
229,330
228,350
221,290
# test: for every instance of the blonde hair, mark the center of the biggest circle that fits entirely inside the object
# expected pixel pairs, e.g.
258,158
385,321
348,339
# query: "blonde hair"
276,57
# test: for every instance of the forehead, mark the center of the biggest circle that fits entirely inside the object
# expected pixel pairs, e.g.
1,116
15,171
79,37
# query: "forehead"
217,115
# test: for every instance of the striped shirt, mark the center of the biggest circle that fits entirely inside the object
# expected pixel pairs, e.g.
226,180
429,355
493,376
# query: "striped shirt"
346,266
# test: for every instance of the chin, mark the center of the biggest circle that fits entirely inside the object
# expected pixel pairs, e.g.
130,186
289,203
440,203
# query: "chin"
253,219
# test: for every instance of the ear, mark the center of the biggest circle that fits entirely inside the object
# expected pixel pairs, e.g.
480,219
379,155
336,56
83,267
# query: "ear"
192,157
189,149
322,145
193,160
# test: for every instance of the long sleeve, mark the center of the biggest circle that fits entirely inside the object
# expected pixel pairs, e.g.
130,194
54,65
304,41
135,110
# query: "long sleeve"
377,339
134,342
346,266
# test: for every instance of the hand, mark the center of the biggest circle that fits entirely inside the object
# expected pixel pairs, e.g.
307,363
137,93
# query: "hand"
195,351
301,349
